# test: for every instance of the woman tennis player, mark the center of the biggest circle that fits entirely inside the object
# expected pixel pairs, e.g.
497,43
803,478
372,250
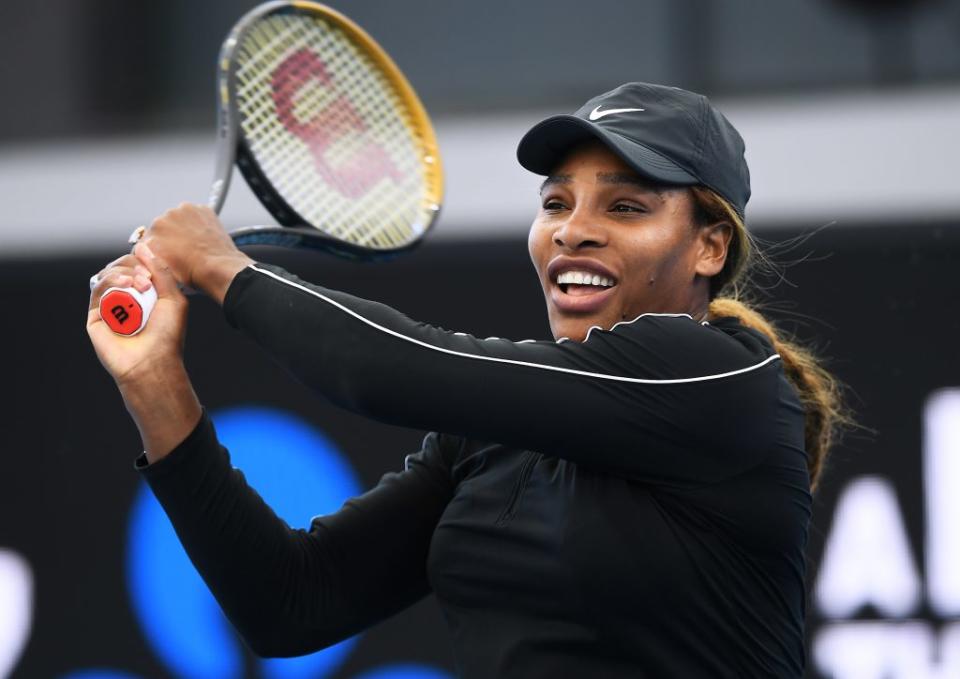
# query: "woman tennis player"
628,500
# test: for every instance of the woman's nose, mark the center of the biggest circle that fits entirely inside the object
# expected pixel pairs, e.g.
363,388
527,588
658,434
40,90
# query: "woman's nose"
579,231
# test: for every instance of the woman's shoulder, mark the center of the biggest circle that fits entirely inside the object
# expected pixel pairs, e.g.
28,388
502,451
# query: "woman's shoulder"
678,346
751,339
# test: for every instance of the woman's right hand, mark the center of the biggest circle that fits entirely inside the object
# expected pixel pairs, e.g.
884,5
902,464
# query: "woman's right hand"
148,367
160,344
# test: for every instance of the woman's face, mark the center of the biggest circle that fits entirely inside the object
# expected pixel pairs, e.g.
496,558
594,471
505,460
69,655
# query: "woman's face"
609,246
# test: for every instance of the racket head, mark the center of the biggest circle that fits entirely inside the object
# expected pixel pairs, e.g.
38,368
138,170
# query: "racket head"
328,133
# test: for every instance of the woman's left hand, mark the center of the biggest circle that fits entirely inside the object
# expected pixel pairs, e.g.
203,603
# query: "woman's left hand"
193,243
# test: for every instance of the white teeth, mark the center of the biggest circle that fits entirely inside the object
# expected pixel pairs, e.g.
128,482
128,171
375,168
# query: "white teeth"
583,278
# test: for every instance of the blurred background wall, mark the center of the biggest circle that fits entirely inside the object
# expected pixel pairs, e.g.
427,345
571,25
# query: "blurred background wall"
851,114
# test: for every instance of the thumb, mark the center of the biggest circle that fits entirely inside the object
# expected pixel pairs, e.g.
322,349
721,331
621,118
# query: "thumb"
160,274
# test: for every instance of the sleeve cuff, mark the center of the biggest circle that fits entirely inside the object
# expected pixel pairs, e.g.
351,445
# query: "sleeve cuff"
232,299
199,442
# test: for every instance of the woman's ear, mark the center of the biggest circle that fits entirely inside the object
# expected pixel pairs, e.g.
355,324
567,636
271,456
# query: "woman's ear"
714,243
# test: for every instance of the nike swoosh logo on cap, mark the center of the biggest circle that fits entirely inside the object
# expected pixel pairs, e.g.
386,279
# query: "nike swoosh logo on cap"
597,114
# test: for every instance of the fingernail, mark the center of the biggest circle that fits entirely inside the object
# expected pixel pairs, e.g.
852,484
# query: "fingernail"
123,281
143,271
141,283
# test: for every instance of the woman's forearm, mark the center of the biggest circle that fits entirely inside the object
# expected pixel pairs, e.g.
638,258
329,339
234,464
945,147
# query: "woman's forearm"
287,591
627,400
217,273
164,407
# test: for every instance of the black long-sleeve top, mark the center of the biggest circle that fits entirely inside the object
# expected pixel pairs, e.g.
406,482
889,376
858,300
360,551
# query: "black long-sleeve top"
633,505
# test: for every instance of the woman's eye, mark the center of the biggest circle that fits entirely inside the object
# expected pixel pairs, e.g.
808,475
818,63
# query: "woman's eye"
552,205
627,207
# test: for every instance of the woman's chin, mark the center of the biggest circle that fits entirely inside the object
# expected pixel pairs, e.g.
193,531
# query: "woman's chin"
574,309
575,329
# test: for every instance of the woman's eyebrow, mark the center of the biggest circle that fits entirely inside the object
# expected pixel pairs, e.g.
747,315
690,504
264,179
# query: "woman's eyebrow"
556,179
629,178
608,178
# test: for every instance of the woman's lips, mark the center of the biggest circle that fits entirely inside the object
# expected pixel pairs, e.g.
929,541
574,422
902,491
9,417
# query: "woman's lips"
580,299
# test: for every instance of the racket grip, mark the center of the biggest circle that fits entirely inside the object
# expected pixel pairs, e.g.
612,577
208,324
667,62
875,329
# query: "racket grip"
126,310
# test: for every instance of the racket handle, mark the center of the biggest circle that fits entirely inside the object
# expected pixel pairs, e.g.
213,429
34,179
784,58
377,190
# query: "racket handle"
126,310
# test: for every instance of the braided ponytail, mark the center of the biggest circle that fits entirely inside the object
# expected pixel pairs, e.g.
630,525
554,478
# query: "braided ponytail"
820,393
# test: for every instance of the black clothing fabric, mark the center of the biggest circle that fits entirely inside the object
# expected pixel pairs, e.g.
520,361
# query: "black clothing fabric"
633,505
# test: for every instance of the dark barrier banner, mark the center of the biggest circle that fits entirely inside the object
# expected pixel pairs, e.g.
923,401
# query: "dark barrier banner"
93,585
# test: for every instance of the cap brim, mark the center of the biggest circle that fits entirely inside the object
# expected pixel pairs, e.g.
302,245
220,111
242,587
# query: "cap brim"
547,143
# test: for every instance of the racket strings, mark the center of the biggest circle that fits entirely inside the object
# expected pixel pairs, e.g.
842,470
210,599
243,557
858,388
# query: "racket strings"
331,134
260,44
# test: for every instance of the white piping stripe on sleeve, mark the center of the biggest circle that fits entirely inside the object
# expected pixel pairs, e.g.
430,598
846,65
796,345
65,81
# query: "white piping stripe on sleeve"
509,361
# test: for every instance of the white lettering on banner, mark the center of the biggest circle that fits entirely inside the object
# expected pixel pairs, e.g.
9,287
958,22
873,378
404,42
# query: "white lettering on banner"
888,650
941,476
867,557
16,608
867,560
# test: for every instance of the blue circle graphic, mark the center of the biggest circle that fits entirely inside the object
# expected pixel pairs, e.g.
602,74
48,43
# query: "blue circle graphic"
300,474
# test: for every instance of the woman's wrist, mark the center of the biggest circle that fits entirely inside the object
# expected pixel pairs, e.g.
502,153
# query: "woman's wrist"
215,274
164,407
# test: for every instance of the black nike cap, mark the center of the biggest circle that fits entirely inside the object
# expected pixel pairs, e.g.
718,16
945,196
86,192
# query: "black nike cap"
666,134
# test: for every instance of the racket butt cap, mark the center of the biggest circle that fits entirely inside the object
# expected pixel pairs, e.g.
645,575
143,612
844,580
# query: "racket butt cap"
126,310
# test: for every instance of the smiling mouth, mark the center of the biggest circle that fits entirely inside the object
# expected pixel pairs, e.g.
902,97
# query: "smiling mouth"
582,283
581,291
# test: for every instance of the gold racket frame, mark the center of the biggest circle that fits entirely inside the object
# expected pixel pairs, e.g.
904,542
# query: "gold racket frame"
228,132
404,89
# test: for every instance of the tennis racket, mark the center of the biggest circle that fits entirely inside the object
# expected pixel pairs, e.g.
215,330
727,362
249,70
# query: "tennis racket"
329,136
